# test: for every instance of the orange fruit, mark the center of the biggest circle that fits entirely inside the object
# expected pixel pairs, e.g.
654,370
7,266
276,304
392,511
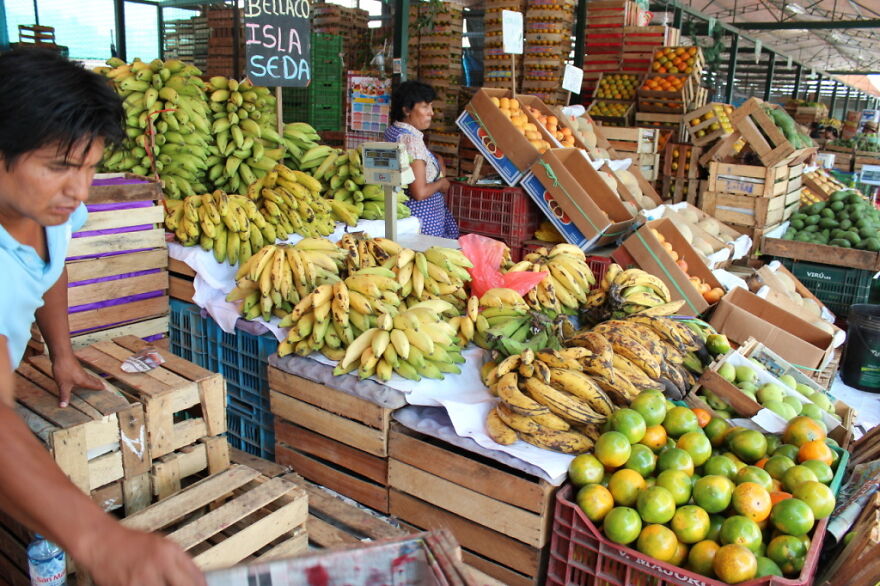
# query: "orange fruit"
655,437
680,556
697,445
715,430
690,523
701,556
756,475
720,466
734,564
622,525
777,465
750,445
630,423
788,552
595,501
657,541
816,450
752,501
651,406
625,485
676,459
792,517
818,497
585,469
788,450
678,483
713,493
642,460
680,420
767,567
779,495
801,430
715,523
760,463
703,416
742,531
656,505
612,449
823,471
795,476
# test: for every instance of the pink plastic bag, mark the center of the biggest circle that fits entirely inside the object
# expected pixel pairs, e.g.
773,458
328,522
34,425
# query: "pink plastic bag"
485,254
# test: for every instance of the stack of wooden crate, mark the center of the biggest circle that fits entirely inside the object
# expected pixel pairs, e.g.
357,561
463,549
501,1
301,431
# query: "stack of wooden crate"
352,24
187,40
640,42
753,200
681,173
225,44
548,30
497,66
640,145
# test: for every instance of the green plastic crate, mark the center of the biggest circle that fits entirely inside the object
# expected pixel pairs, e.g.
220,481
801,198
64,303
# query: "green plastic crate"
836,287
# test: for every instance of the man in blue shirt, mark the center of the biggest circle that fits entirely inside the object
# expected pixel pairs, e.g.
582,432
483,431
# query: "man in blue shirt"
55,119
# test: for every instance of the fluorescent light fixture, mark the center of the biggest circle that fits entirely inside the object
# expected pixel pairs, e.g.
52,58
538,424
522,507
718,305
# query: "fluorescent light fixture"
795,8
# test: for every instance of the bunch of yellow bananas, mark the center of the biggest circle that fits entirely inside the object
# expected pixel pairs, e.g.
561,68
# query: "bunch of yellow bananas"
363,251
546,400
566,286
437,273
466,325
414,343
291,201
278,277
169,97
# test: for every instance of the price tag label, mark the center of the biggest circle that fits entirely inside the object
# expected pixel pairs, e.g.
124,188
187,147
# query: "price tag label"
512,31
572,79
758,46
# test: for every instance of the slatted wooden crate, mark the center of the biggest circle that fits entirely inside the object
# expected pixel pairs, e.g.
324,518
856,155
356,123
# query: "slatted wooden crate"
208,454
725,150
681,161
98,441
753,180
706,125
331,437
117,263
183,403
500,516
746,210
764,137
180,280
632,140
679,190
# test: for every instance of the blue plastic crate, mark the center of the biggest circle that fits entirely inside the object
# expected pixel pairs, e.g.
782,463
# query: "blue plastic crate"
188,333
245,434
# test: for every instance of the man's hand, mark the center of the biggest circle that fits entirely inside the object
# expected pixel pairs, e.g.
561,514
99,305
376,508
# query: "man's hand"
123,557
68,373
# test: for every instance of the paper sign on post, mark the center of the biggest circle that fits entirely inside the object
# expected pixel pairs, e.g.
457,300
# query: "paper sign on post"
572,79
512,31
758,46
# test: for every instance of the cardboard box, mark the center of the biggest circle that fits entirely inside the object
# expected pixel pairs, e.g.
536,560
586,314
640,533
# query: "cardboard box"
647,252
553,212
741,315
599,214
495,136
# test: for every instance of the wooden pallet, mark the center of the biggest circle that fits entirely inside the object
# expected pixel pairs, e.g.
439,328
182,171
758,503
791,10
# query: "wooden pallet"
745,210
174,389
98,441
500,516
331,437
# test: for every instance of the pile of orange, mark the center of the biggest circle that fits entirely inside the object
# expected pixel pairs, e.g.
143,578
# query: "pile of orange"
613,109
511,108
617,86
712,295
664,83
675,60
692,491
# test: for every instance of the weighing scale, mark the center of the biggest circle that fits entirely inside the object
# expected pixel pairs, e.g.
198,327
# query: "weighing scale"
387,164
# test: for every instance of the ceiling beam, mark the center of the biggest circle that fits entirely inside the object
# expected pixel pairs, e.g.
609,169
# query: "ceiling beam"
809,24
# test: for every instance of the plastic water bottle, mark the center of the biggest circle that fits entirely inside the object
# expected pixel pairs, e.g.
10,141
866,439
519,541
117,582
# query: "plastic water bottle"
47,563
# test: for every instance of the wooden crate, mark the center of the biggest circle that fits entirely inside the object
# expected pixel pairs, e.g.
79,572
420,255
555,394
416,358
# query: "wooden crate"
699,124
98,441
745,210
725,150
236,516
756,233
754,181
500,516
331,437
623,120
183,403
821,183
764,137
681,161
648,38
632,140
611,14
670,102
822,253
168,473
649,165
662,122
860,161
180,280
679,190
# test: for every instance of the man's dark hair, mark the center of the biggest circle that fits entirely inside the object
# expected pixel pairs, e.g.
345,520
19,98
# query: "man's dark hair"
47,99
407,95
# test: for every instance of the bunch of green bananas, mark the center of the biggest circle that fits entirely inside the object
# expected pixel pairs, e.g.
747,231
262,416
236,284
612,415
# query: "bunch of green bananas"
546,400
299,138
628,292
169,96
567,284
415,343
247,143
291,202
277,277
229,225
507,325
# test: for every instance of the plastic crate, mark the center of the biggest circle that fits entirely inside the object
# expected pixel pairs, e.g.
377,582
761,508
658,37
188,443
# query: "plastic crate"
836,287
580,554
188,333
242,359
247,435
506,214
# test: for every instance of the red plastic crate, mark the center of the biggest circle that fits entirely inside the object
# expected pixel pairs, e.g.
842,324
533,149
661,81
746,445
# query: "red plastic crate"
580,554
507,214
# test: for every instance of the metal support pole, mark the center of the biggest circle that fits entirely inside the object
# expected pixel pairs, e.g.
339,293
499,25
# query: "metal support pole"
4,35
831,104
771,70
846,102
797,80
818,88
677,17
119,10
401,35
160,20
731,69
236,53
36,14
580,30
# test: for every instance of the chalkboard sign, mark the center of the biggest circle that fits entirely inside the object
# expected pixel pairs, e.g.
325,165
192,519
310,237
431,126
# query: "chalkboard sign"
277,42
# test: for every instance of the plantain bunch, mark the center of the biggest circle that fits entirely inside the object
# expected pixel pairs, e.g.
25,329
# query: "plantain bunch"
568,281
628,292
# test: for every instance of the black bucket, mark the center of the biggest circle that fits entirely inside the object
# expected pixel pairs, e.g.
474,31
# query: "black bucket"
860,366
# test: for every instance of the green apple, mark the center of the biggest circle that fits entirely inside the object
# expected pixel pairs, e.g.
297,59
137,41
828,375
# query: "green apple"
750,394
770,392
745,374
823,402
781,409
794,403
750,387
727,372
803,389
812,411
788,381
714,401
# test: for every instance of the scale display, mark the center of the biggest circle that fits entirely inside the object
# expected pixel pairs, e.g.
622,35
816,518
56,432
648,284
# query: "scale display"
381,159
383,163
